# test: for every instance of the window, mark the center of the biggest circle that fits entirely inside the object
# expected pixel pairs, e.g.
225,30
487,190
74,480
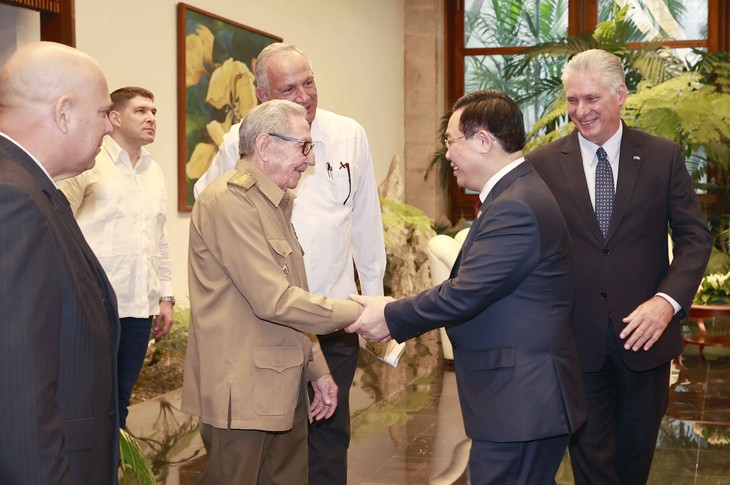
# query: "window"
484,35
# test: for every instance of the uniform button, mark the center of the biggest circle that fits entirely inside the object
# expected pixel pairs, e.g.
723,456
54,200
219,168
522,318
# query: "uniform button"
603,295
278,364
606,252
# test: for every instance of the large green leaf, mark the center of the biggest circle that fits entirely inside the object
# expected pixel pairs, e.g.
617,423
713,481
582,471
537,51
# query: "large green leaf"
133,463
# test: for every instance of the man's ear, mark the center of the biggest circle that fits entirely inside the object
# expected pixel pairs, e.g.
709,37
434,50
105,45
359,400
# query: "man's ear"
263,142
623,93
485,140
62,113
114,118
262,94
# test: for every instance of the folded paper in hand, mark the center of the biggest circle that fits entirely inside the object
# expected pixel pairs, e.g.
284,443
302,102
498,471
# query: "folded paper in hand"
389,353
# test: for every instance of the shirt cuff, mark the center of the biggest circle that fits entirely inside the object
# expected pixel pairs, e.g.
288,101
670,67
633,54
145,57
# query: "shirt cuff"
671,301
344,312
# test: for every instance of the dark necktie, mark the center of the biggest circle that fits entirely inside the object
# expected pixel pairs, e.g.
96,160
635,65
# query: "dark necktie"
604,191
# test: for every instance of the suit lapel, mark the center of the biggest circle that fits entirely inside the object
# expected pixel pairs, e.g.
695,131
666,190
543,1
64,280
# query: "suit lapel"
520,170
469,238
571,162
62,207
630,162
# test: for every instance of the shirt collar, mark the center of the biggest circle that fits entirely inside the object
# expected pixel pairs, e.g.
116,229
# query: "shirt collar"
270,190
612,147
497,177
314,131
119,155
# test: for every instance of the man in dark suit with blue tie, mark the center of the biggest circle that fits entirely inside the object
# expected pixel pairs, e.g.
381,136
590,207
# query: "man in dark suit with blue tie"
506,306
58,319
629,299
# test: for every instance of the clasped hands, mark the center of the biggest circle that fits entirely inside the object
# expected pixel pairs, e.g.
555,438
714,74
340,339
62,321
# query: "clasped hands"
371,322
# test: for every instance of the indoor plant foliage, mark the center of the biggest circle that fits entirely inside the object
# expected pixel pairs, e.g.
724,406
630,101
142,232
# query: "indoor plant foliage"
532,78
132,463
684,99
714,290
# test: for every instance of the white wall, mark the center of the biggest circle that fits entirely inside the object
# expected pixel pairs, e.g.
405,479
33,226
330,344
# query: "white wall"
356,48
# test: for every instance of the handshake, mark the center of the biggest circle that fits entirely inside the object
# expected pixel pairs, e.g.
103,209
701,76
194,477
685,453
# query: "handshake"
371,322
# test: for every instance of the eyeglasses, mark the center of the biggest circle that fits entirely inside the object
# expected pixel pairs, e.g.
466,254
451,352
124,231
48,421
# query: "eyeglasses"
448,143
306,145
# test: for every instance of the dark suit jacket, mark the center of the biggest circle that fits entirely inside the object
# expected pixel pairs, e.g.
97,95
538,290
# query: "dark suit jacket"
631,265
507,312
59,333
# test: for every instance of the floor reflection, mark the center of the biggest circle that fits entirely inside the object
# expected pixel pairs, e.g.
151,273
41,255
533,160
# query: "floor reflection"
407,429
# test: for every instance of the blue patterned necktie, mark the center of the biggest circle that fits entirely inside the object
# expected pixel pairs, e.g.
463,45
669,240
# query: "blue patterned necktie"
604,191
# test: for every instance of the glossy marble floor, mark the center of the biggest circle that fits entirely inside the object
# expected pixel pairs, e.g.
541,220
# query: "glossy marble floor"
407,429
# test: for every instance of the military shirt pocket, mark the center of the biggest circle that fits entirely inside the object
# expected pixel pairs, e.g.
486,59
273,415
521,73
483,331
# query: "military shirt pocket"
282,251
277,379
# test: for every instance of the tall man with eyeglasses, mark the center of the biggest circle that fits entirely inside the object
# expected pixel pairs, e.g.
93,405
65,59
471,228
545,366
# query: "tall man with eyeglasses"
337,219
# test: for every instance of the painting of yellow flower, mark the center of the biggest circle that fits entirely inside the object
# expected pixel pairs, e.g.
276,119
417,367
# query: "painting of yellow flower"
216,87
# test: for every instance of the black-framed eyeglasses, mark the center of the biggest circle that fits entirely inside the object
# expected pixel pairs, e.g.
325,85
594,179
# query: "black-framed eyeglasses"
306,145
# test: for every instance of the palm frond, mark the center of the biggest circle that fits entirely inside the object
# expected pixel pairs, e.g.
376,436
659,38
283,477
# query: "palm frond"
438,158
133,463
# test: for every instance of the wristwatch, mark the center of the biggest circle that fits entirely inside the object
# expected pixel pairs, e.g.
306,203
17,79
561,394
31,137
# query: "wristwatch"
171,299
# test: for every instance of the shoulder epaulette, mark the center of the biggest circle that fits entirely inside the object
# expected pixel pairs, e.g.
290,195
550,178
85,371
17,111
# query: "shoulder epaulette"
243,180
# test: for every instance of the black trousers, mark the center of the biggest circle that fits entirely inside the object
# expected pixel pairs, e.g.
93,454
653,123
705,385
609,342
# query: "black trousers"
329,439
625,409
516,463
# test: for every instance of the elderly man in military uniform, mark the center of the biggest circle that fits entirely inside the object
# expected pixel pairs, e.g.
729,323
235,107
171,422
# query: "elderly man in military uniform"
252,319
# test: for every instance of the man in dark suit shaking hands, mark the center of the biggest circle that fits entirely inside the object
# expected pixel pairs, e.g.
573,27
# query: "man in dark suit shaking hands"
620,190
506,306
58,320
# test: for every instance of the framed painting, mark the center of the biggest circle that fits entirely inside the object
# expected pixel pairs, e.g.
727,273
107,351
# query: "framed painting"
215,87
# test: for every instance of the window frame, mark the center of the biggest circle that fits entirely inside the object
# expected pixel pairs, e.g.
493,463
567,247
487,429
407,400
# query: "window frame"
582,19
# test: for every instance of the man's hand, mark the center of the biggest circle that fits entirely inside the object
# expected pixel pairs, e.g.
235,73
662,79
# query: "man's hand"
646,324
325,398
371,322
163,321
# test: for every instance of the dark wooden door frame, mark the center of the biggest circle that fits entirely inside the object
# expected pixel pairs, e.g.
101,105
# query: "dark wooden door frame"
58,20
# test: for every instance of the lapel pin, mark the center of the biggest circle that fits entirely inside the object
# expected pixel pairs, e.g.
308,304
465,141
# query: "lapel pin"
637,157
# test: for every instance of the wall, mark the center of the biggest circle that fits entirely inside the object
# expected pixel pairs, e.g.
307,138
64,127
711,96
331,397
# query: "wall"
356,48
18,26
425,103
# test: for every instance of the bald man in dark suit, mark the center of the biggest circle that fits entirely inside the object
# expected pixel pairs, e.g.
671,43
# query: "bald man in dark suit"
630,299
58,325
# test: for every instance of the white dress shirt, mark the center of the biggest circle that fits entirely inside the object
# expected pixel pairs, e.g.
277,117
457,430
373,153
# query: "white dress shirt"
121,211
336,216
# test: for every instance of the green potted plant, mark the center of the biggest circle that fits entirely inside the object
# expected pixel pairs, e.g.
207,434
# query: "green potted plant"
714,290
